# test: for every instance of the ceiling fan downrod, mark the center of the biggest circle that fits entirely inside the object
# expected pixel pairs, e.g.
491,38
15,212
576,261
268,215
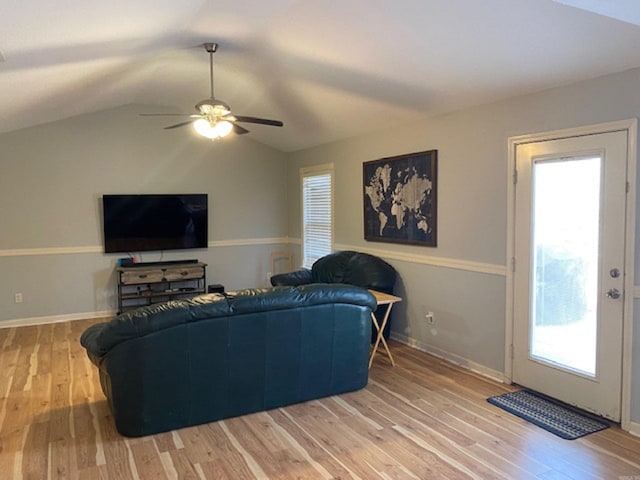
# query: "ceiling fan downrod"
211,48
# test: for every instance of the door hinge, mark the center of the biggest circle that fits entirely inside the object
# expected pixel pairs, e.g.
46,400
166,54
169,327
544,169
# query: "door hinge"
628,187
513,264
515,177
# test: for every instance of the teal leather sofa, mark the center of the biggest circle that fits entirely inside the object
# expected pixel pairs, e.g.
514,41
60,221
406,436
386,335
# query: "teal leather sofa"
187,362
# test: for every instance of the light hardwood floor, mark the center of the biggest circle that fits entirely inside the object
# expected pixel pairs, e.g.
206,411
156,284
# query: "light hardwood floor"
422,419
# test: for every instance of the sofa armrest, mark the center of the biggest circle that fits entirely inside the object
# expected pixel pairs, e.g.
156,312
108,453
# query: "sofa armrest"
100,338
292,279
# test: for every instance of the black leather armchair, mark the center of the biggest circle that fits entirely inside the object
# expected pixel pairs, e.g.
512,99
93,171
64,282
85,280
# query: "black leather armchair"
353,268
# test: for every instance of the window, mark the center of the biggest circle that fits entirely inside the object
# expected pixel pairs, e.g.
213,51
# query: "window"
317,212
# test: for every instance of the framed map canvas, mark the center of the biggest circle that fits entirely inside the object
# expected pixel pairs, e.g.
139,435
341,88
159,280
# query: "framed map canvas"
400,199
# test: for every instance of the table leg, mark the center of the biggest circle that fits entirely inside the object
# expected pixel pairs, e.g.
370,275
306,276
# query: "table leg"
379,336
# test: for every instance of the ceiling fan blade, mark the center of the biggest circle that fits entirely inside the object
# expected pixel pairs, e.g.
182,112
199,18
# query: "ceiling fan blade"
238,129
165,114
181,124
262,121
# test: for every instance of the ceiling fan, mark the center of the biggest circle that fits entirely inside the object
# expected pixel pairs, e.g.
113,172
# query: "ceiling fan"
214,118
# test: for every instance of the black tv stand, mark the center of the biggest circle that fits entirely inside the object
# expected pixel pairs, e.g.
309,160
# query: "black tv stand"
147,283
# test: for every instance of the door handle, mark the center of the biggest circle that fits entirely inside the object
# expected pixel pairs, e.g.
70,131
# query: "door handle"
614,293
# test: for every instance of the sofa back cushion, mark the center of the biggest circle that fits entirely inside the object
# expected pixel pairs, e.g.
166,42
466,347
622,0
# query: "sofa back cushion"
101,338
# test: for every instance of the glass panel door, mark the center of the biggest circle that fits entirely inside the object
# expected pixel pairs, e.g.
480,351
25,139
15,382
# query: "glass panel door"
566,233
569,277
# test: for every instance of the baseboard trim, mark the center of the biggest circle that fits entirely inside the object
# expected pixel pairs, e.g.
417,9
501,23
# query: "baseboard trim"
46,320
451,358
634,429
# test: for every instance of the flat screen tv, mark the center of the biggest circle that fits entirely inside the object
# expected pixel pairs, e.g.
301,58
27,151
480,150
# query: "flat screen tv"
137,223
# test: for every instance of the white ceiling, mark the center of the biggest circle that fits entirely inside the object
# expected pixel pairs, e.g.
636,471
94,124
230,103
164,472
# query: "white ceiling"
330,69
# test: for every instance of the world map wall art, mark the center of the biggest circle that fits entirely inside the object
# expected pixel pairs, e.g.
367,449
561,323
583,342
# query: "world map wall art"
400,196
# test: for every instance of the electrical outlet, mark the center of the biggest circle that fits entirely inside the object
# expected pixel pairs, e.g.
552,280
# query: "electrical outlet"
430,318
18,298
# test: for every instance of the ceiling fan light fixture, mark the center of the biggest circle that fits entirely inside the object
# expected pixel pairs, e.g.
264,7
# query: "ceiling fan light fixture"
212,130
213,107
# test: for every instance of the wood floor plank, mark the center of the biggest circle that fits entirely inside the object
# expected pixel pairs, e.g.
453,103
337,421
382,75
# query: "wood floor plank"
8,334
85,439
423,419
343,442
148,461
252,445
470,426
115,451
460,459
196,445
369,406
184,469
8,361
165,441
96,473
307,444
413,412
423,462
36,442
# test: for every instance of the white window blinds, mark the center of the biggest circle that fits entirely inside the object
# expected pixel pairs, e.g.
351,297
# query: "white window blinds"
317,213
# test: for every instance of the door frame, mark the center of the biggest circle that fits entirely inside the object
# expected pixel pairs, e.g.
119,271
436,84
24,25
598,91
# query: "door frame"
631,128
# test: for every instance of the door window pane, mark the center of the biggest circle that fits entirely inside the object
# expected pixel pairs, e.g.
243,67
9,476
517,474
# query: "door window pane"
566,231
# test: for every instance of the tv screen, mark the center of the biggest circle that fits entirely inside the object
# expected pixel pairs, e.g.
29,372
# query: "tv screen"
136,223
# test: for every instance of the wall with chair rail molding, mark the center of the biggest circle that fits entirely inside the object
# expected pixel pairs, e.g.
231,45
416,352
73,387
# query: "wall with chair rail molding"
447,287
55,174
70,296
469,267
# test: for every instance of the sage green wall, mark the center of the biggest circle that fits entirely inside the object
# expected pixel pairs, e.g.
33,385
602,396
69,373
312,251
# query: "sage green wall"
53,177
469,305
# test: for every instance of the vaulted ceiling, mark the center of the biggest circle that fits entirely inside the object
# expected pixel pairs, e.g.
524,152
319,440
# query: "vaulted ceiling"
328,69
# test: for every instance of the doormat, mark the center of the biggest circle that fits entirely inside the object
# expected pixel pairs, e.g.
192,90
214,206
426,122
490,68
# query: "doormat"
562,420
